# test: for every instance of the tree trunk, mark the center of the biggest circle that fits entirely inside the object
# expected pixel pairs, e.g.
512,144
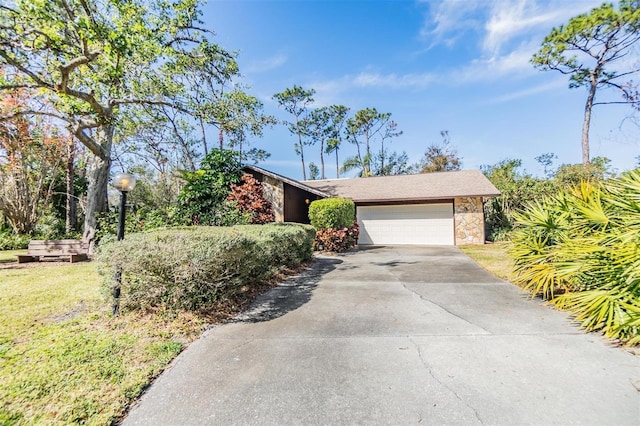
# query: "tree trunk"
99,167
204,136
304,171
587,122
382,158
70,223
366,166
337,164
322,160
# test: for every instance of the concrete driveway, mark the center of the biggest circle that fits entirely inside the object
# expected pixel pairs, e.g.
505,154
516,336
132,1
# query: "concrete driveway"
396,335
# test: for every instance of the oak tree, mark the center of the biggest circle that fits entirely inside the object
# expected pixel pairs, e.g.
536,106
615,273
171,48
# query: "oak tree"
92,61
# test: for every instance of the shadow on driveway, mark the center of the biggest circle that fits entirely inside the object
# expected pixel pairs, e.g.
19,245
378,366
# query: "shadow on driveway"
290,295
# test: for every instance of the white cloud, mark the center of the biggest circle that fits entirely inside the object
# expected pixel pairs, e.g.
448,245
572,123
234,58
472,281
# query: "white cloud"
394,81
447,20
497,22
265,65
509,19
330,91
553,85
513,64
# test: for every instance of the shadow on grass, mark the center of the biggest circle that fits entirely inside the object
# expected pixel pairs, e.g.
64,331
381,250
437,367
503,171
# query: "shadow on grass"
288,296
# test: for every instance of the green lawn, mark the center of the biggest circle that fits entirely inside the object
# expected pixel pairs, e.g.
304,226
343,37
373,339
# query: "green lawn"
63,358
493,258
10,255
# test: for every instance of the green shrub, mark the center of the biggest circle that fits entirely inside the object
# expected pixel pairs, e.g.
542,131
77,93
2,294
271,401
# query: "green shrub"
332,213
11,241
287,244
580,249
198,267
202,198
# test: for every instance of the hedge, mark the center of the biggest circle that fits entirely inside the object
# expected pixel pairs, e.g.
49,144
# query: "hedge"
196,268
332,213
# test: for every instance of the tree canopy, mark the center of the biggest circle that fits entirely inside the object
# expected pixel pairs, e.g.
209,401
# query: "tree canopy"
593,49
98,63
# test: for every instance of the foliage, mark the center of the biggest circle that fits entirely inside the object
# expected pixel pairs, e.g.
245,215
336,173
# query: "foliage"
517,189
337,240
580,249
238,115
31,154
199,267
568,175
592,49
324,125
335,213
314,171
139,220
249,199
334,220
296,101
440,158
9,240
394,163
287,244
202,198
365,128
65,360
100,65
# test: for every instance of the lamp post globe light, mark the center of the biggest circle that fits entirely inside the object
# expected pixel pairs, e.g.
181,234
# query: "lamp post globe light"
123,182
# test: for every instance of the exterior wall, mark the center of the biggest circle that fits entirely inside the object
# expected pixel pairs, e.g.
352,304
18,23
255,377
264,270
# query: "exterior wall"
296,204
274,192
468,216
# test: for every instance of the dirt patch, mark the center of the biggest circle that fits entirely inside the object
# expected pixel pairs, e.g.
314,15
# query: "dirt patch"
41,264
77,310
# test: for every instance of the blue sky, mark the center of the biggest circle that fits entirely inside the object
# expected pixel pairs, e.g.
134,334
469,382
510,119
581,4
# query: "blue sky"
456,65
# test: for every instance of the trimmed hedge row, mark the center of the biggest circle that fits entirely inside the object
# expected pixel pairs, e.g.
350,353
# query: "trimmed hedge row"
197,267
332,213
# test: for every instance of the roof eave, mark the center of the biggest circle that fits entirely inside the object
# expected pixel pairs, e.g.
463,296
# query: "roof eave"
289,181
418,199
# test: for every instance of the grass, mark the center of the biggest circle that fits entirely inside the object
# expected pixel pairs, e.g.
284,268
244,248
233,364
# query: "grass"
63,357
493,258
10,255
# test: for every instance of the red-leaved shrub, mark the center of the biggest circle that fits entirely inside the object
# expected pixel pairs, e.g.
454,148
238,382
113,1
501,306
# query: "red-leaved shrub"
249,196
337,240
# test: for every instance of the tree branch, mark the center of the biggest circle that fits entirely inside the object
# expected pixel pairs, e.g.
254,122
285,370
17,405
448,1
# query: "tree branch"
11,61
23,113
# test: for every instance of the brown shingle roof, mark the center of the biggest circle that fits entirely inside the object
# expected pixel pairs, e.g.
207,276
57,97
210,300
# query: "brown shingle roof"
426,186
290,181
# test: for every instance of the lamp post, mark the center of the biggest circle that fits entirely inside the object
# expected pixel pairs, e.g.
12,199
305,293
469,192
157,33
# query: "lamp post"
123,182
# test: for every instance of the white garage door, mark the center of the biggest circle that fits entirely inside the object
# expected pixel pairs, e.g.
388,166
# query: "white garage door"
429,224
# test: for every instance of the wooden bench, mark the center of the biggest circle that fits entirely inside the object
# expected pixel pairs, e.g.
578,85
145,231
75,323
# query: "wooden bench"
75,250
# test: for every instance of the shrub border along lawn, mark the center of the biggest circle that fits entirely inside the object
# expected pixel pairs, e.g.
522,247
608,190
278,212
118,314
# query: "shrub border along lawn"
64,358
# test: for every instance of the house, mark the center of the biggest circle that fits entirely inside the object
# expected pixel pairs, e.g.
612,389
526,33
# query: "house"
444,208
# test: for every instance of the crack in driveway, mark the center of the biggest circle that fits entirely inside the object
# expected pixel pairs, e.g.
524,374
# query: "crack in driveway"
442,307
429,370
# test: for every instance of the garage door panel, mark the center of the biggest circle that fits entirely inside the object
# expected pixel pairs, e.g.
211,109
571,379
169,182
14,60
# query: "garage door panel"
406,224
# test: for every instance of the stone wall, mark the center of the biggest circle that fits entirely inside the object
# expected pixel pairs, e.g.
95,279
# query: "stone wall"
468,221
274,192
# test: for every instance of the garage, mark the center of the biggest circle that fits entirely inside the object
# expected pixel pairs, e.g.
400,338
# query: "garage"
416,224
